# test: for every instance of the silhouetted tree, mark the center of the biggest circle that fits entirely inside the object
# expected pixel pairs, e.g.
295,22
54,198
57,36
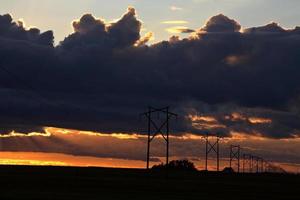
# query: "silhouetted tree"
228,170
177,165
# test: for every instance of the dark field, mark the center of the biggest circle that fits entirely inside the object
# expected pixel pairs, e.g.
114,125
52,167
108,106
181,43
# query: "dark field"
22,182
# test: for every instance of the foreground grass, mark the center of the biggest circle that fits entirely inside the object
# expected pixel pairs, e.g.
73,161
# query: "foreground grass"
42,183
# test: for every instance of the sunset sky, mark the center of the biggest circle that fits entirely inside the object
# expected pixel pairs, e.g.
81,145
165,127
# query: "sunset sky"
56,14
76,74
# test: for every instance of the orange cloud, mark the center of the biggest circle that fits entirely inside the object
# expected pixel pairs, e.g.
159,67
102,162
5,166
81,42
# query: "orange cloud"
237,116
142,41
14,134
234,60
202,118
179,29
257,120
52,130
205,122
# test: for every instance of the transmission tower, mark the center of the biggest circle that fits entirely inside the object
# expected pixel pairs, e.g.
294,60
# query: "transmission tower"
155,128
262,161
212,147
256,159
247,163
235,151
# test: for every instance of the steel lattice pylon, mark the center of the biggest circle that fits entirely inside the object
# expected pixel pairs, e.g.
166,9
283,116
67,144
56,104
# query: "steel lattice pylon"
212,147
155,129
247,163
235,151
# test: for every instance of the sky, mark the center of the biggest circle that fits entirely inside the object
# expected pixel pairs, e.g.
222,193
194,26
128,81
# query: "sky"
75,75
57,15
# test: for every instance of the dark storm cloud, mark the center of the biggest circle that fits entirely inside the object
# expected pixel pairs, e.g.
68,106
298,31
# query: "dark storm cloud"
126,31
15,30
89,31
221,23
269,28
88,24
103,75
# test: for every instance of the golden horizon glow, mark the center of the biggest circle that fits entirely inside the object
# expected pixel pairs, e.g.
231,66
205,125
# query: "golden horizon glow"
136,141
59,159
65,160
31,162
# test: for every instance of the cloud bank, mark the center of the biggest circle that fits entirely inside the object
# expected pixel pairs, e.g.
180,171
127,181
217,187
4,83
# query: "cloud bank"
16,31
103,75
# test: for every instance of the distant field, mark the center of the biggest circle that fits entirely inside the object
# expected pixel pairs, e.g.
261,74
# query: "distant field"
42,183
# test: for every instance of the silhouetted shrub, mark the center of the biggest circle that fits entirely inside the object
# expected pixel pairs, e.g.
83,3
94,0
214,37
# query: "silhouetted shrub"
228,170
177,165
